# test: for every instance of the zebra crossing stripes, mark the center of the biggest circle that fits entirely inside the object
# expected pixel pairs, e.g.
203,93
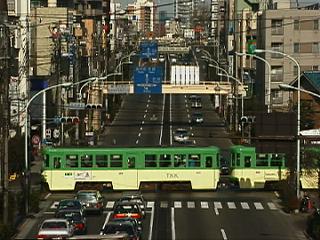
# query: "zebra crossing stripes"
231,205
163,204
204,205
258,205
150,204
217,205
177,205
245,205
110,204
191,204
272,206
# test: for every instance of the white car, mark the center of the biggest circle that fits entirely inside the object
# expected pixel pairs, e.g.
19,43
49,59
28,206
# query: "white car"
55,228
181,135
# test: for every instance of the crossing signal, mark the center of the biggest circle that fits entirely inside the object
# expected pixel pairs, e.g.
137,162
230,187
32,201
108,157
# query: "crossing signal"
94,106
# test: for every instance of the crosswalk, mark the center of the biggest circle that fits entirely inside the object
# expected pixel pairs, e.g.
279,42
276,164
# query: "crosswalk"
231,205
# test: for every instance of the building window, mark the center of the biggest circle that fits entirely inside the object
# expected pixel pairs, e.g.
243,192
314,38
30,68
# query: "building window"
315,68
316,24
295,70
296,47
315,47
276,27
276,46
277,73
296,25
277,97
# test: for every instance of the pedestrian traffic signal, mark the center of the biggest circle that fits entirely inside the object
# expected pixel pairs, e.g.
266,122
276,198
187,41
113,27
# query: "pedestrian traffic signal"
94,106
69,120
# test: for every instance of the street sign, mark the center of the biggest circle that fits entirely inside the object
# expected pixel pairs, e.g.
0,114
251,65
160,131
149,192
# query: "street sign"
35,139
148,49
56,133
118,89
148,80
75,106
48,133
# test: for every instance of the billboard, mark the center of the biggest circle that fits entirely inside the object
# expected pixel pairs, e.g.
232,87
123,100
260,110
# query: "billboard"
148,80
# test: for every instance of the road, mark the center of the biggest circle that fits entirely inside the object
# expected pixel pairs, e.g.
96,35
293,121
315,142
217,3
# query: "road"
150,120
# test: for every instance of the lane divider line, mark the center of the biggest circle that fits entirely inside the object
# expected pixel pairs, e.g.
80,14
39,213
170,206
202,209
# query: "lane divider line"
137,141
216,211
224,235
162,119
107,220
151,221
139,134
48,195
170,119
173,227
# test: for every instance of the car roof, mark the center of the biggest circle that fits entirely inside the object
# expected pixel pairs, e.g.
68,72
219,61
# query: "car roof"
56,220
69,210
69,200
181,129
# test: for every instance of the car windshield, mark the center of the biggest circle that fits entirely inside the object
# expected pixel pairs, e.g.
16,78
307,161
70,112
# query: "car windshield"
86,196
54,225
132,199
69,204
181,132
113,229
197,114
126,209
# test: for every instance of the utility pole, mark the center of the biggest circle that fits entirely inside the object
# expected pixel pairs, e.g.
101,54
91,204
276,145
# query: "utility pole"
107,32
4,107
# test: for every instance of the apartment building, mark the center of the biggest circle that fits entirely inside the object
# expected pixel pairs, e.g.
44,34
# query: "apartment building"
295,32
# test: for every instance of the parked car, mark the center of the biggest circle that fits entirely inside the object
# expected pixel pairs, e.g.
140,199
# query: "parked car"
197,117
55,228
92,200
69,204
181,135
76,217
136,198
128,210
114,227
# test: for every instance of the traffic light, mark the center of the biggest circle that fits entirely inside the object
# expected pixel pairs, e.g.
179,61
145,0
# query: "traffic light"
248,119
69,120
93,106
251,46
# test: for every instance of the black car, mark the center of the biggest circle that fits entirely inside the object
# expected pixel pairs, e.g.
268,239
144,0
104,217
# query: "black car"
197,117
76,217
134,221
114,227
136,198
128,210
69,204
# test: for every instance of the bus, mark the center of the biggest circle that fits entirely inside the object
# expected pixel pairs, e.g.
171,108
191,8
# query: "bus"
75,168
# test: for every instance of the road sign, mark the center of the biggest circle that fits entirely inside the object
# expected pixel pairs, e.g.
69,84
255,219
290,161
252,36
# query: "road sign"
118,89
148,80
75,106
48,133
56,133
35,139
148,49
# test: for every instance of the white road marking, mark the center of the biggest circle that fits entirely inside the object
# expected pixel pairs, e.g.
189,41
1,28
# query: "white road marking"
272,206
49,213
245,205
164,204
146,110
54,204
258,205
188,115
147,105
151,220
216,211
162,119
177,204
224,235
148,100
141,128
173,228
187,109
110,204
231,205
190,128
189,121
217,205
139,134
107,220
137,141
144,116
191,205
204,204
150,204
142,122
48,195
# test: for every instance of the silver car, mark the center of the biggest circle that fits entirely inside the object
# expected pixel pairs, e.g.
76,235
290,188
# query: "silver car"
181,135
91,200
55,228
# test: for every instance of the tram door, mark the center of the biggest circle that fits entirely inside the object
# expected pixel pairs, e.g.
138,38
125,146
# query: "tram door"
132,172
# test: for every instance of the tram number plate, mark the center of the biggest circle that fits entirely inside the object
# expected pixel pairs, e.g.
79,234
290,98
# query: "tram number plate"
172,176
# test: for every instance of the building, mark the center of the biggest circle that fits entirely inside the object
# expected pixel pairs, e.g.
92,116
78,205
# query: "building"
295,32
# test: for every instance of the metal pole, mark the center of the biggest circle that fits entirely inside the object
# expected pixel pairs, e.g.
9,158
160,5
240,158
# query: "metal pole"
44,110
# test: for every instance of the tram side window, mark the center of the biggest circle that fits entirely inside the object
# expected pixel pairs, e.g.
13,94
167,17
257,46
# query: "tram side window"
116,160
46,161
180,160
208,162
150,160
102,160
276,160
247,161
131,162
233,156
86,161
238,159
262,160
57,162
194,160
165,160
72,161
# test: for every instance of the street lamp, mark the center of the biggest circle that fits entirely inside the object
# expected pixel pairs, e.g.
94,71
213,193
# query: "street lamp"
68,84
287,86
269,78
221,69
298,113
